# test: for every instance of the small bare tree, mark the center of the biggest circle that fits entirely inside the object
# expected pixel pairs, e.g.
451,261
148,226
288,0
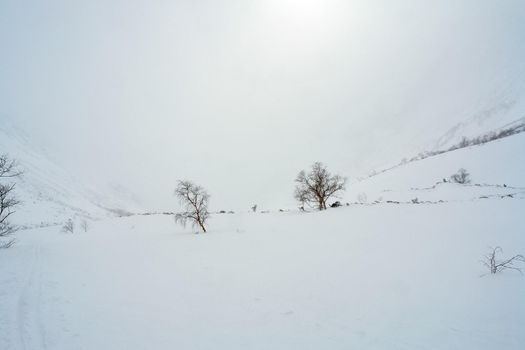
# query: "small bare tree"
461,177
84,225
318,186
69,226
8,169
194,200
495,266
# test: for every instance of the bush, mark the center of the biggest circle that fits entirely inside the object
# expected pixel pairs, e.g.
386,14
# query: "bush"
69,226
461,177
496,266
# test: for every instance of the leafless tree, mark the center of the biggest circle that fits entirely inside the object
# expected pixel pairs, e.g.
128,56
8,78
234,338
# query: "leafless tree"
69,226
461,177
318,186
495,265
8,169
194,200
84,225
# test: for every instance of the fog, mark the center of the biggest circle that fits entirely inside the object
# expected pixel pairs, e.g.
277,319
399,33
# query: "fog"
241,95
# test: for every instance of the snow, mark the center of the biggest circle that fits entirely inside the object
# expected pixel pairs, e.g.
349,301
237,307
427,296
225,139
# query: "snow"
367,277
383,276
50,194
490,165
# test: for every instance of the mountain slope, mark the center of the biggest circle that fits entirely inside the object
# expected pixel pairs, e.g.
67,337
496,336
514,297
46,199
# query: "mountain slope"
49,194
492,166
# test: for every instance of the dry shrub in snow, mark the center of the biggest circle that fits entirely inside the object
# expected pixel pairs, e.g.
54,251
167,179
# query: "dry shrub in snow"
84,225
69,226
194,200
496,265
461,177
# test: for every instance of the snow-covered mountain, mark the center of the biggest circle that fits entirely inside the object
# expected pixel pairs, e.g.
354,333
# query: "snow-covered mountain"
502,108
496,169
49,194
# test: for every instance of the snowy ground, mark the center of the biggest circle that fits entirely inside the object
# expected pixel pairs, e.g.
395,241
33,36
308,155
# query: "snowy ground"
491,166
360,277
377,275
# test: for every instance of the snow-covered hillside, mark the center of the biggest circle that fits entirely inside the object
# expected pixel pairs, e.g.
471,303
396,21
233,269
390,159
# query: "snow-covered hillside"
496,168
383,276
501,106
49,194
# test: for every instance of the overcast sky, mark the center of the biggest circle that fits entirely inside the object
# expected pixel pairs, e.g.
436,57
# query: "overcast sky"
240,95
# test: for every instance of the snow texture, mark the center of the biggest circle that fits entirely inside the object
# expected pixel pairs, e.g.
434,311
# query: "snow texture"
382,276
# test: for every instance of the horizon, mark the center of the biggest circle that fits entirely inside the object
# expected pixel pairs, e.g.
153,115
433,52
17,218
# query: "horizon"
246,94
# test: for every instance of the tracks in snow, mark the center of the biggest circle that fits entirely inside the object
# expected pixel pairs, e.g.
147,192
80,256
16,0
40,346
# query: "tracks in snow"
29,321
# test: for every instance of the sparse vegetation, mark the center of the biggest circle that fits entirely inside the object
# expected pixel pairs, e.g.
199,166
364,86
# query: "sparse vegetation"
69,226
8,169
84,225
318,186
461,177
194,200
519,127
496,265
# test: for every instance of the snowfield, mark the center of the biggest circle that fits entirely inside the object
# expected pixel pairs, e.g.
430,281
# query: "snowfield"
359,277
376,275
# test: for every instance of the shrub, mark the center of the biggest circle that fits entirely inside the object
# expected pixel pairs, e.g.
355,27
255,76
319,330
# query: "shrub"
496,266
69,226
461,177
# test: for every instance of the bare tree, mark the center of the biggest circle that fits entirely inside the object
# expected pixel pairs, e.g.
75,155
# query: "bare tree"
69,226
496,266
461,177
84,225
318,186
194,200
8,169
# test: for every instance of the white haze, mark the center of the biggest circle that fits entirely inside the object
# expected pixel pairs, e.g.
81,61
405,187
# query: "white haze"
241,95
